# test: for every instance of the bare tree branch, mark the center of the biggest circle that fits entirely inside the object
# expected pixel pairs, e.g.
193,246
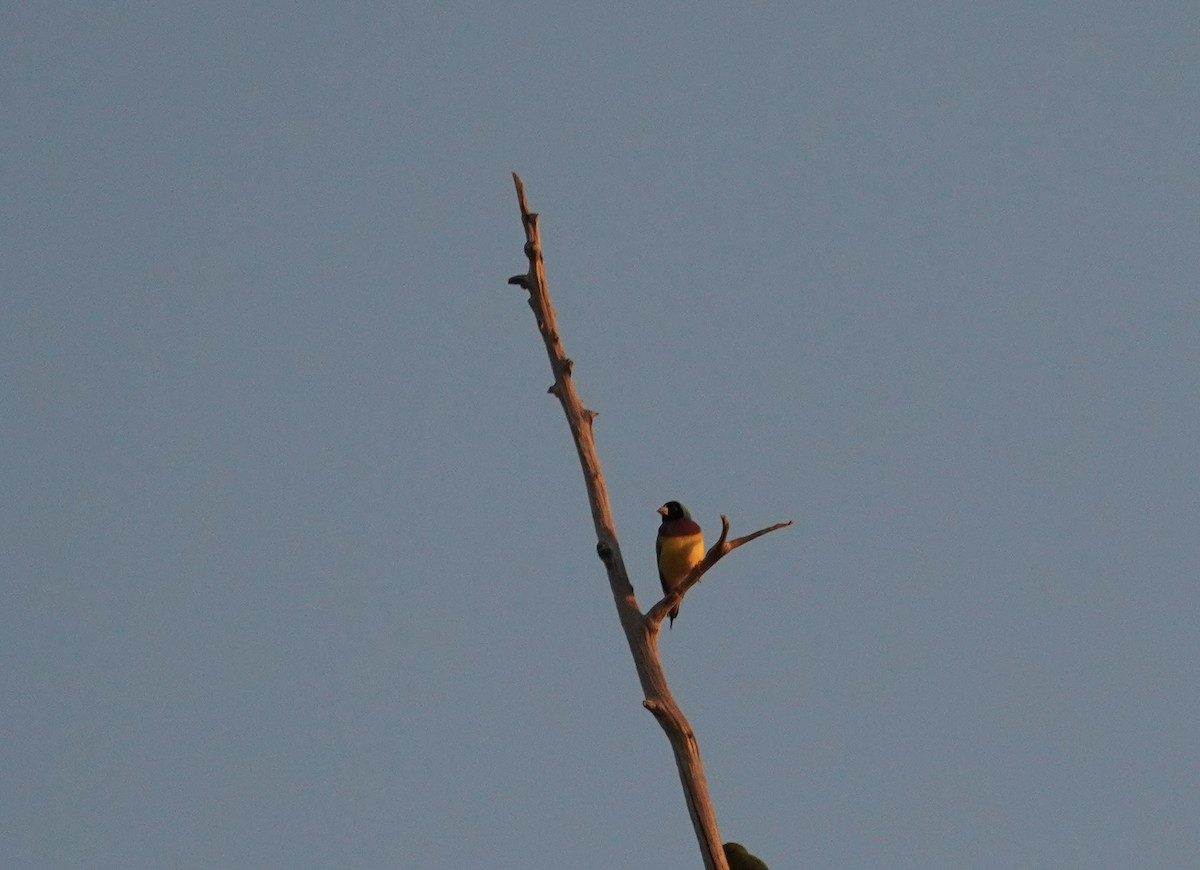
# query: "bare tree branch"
715,553
641,632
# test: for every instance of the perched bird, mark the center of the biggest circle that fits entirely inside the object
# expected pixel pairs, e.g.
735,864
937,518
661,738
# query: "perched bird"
739,859
680,546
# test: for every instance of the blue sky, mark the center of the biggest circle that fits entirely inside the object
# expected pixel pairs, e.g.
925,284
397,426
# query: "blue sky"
296,562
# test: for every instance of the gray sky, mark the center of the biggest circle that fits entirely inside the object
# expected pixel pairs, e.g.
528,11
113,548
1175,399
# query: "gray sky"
296,563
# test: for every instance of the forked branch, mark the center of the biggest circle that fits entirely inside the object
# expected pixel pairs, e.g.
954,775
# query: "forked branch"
715,553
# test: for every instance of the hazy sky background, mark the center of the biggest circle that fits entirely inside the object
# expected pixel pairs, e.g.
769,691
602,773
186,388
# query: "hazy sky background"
296,563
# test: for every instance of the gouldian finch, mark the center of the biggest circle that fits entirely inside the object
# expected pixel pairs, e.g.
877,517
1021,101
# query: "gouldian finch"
739,859
680,546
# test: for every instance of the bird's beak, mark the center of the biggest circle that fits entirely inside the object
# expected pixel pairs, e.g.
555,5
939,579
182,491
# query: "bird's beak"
663,510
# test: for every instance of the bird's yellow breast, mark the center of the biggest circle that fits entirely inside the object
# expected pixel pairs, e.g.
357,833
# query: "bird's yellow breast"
678,554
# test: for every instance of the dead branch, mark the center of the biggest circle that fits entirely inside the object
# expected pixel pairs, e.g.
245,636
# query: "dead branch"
715,553
641,632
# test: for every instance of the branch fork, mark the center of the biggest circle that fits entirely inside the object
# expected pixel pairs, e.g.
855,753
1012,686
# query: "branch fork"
715,553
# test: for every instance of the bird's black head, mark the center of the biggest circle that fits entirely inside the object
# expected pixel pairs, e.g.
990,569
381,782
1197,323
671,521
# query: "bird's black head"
673,510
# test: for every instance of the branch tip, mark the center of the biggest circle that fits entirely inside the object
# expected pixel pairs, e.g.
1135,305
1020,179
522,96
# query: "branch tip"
520,194
520,281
